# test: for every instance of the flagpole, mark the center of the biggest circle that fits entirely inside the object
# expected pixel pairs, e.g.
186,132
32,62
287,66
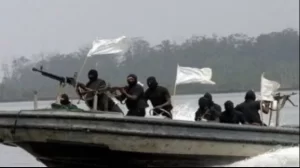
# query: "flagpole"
175,84
174,91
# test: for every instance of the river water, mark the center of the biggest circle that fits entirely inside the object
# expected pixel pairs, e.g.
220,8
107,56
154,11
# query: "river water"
184,108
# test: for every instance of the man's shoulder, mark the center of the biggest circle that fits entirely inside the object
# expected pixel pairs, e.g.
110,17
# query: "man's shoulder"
99,80
240,105
162,89
218,107
138,88
238,112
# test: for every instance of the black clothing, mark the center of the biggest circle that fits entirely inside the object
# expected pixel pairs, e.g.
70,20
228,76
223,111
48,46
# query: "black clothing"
135,107
102,98
137,112
207,110
158,95
250,108
151,82
133,83
64,99
93,75
250,111
230,115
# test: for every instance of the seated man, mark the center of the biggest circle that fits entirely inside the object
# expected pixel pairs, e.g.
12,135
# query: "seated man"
206,111
230,115
159,97
65,104
250,109
212,104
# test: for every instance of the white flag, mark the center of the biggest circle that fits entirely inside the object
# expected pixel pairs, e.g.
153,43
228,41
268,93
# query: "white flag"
116,47
187,75
268,88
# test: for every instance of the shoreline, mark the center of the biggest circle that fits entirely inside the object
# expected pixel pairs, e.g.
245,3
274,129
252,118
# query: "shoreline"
179,94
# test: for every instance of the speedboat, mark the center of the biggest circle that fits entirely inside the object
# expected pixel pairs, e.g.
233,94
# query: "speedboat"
66,138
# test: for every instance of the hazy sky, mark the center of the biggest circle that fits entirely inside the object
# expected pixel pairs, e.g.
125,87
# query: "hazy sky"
32,26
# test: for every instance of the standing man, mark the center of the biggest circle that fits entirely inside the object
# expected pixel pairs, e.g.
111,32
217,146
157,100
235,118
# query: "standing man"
159,97
105,103
134,95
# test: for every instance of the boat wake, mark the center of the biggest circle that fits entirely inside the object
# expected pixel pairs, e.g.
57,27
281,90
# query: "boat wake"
284,157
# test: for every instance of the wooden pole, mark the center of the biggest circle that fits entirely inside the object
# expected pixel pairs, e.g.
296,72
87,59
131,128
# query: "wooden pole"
35,100
277,123
271,112
95,101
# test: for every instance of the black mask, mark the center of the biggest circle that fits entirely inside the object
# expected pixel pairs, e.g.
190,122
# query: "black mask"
208,96
203,103
133,82
152,83
229,106
64,100
250,95
93,75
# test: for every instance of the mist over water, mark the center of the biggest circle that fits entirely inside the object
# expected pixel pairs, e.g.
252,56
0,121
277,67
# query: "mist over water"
184,109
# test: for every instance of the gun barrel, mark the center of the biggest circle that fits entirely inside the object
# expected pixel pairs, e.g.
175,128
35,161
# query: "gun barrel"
49,75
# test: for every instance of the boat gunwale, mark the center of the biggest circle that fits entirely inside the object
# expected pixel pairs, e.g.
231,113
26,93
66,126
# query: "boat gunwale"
150,134
143,120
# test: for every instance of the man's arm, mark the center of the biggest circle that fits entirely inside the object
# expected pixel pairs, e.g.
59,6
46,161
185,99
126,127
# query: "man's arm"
241,118
216,109
135,93
168,98
265,109
198,115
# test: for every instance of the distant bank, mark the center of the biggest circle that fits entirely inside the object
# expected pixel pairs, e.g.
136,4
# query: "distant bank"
74,97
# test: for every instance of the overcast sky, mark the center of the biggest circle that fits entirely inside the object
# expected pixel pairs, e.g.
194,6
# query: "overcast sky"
32,26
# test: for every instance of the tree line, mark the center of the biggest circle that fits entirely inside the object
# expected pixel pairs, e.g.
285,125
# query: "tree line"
237,62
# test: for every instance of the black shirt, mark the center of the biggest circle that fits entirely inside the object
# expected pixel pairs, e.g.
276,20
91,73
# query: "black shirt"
212,113
158,96
235,117
138,103
250,111
102,98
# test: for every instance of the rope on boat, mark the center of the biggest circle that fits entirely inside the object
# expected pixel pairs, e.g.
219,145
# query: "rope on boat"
13,131
163,111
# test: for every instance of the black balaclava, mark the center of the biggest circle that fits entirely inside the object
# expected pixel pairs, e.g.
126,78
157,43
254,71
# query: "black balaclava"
93,75
64,99
229,106
250,96
151,82
131,84
208,96
203,103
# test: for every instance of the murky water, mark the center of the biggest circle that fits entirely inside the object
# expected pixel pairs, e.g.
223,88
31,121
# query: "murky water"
185,107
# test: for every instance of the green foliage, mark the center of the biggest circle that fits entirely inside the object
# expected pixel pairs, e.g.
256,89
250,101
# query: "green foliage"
237,62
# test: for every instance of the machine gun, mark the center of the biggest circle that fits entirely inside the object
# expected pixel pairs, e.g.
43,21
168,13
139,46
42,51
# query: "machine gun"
285,98
61,80
72,81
